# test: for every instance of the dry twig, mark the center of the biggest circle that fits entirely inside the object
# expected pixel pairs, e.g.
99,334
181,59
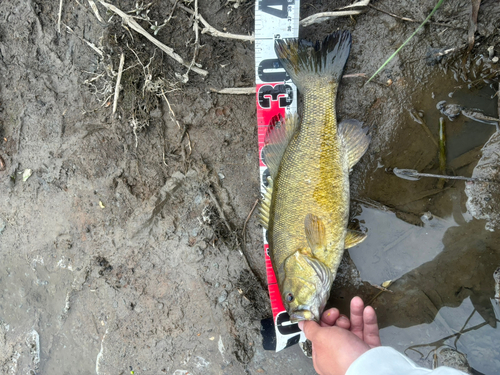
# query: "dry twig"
213,31
219,209
416,117
245,224
184,133
196,41
498,98
130,21
172,12
118,79
235,90
412,20
96,11
59,15
473,23
325,16
91,45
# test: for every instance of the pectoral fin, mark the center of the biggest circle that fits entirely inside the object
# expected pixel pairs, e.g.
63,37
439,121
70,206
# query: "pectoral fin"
315,233
355,139
353,238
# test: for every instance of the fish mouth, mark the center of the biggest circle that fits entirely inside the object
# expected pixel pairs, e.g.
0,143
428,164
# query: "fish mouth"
299,315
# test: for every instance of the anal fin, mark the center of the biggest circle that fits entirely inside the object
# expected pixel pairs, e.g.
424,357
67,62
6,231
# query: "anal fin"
353,238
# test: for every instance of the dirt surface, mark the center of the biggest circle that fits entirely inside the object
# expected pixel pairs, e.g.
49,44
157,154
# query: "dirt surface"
121,236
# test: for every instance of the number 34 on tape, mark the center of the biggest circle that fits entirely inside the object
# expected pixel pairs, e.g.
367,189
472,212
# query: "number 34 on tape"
276,95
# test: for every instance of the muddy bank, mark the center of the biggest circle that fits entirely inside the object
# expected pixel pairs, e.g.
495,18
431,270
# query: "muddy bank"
123,250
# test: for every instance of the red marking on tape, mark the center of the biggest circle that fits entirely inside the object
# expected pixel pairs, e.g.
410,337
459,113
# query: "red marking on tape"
276,302
265,115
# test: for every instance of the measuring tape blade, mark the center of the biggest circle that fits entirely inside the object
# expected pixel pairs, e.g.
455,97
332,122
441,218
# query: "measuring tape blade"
276,95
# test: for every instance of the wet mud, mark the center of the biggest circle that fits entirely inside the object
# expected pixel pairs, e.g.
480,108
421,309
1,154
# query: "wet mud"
123,250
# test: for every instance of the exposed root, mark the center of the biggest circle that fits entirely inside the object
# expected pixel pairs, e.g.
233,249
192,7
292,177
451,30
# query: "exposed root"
172,114
130,21
117,86
137,126
101,85
148,76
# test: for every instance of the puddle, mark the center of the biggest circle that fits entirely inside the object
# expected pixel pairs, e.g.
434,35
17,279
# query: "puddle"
388,255
463,134
442,262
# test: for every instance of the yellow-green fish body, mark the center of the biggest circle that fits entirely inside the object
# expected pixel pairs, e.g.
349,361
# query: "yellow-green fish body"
306,208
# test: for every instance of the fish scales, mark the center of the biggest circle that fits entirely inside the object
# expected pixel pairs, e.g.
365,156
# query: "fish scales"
313,177
306,206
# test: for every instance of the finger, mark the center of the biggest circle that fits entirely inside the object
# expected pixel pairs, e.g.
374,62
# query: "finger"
371,334
310,328
357,307
343,322
329,317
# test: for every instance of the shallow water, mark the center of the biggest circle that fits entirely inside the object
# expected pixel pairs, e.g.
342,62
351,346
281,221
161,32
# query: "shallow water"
442,265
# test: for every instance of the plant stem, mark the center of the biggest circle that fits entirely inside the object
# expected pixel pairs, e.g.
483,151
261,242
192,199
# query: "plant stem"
407,40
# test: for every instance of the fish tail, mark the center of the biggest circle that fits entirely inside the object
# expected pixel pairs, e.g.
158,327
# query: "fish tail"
305,62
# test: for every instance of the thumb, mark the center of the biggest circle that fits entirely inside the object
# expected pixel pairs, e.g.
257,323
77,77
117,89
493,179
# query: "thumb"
310,328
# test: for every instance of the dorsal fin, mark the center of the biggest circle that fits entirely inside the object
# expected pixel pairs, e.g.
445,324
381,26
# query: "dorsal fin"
278,135
265,204
355,139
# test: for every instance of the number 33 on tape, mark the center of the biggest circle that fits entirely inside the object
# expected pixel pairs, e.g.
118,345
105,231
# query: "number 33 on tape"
276,95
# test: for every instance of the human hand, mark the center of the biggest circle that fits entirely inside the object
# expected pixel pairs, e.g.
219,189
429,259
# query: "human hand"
337,341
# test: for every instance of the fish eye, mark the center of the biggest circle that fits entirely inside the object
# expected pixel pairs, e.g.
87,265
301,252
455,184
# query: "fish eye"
289,297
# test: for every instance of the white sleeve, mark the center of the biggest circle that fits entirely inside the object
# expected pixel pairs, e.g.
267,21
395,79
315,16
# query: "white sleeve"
385,360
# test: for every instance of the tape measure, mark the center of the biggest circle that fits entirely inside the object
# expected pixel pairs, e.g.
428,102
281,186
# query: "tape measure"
276,95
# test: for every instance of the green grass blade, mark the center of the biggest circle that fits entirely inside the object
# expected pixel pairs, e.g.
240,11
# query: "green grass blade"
407,40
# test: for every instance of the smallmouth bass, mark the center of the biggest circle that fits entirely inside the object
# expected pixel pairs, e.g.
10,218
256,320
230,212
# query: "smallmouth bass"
306,205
